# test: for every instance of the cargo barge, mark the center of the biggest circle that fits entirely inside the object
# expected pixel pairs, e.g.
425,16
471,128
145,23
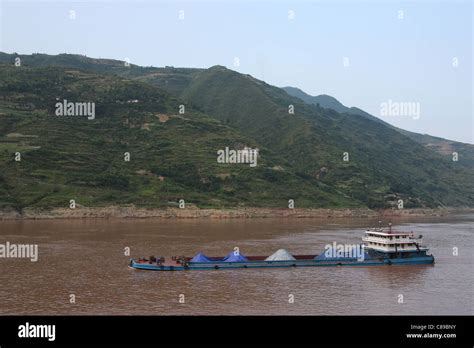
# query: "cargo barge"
381,247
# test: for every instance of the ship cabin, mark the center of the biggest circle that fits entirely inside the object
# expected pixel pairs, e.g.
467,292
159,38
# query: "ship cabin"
393,244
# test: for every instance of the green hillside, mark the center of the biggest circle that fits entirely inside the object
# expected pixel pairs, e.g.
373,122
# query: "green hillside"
442,146
174,79
173,156
383,163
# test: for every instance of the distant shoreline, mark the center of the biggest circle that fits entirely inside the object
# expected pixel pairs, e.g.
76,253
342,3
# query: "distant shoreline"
132,212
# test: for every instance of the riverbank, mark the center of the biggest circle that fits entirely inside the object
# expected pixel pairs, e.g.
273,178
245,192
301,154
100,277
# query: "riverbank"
195,213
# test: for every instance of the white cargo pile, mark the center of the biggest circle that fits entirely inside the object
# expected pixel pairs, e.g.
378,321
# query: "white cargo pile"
280,255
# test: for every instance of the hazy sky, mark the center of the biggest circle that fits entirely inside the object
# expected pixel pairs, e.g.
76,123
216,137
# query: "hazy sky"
408,59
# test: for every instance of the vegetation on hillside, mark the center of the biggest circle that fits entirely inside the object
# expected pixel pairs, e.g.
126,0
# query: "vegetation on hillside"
315,156
172,155
444,147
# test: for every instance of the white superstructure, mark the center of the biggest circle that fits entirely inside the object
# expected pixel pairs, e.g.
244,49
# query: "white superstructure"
392,241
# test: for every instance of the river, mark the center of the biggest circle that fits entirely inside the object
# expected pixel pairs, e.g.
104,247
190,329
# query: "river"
82,269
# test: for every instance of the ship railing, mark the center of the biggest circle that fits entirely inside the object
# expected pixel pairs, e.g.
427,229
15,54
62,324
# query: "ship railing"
391,241
390,232
392,249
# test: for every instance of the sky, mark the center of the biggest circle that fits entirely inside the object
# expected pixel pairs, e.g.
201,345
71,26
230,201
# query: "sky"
364,53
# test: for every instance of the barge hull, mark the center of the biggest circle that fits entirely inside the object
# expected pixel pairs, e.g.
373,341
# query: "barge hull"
220,265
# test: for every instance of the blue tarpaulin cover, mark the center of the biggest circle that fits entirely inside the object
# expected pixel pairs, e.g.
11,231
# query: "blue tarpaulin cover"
200,258
232,257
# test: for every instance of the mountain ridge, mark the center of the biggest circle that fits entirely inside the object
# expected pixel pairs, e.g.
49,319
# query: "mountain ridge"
302,152
441,145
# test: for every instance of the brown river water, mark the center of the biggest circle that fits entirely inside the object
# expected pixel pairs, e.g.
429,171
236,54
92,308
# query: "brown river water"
86,258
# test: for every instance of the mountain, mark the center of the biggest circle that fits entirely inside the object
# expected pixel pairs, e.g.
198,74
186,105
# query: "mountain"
442,146
323,100
383,162
173,78
172,155
302,154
